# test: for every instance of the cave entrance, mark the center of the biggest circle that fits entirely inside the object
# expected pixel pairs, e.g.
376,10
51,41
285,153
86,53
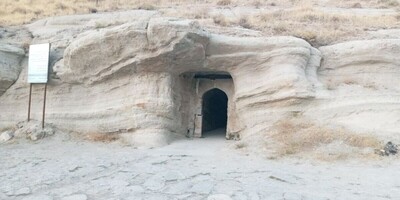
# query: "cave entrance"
214,112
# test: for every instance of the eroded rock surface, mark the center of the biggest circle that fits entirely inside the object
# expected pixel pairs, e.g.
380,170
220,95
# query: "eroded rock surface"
137,78
10,65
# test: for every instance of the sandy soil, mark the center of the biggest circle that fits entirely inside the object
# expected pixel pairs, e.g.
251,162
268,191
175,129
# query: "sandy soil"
206,168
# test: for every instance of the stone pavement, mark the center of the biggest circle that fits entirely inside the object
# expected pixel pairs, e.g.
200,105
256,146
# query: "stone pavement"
203,168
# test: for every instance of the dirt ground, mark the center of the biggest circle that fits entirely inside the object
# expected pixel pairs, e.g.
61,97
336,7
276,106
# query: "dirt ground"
61,167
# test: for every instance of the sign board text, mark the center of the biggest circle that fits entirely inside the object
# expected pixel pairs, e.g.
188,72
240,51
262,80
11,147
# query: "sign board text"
38,65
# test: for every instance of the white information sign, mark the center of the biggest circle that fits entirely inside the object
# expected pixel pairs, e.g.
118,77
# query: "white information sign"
38,66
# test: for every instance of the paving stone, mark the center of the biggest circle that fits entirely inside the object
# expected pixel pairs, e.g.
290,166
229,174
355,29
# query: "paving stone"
156,197
183,196
136,189
154,183
38,197
204,187
2,195
253,196
239,196
227,187
22,191
133,190
75,197
179,187
173,176
219,197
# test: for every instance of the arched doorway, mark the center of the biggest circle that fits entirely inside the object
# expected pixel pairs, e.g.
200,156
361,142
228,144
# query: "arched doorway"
214,111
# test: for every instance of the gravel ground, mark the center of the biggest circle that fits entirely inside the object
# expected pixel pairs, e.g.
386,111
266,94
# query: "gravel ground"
204,168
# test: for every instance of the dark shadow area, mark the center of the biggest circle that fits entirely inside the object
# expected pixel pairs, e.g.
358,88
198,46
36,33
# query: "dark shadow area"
215,108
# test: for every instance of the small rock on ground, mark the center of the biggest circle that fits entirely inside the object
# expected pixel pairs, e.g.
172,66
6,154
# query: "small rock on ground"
390,148
5,136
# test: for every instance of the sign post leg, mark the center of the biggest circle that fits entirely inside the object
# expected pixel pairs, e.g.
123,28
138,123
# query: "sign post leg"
44,104
29,104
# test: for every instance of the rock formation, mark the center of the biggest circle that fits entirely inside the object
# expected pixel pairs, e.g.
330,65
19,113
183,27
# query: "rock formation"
10,65
145,79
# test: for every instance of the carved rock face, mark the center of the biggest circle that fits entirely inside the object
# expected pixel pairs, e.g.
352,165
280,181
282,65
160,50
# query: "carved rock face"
139,79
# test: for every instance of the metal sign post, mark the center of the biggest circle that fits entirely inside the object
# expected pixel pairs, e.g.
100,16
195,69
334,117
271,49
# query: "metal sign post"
44,104
38,72
30,99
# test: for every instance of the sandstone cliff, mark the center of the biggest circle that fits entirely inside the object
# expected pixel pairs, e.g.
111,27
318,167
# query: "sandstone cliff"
132,79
